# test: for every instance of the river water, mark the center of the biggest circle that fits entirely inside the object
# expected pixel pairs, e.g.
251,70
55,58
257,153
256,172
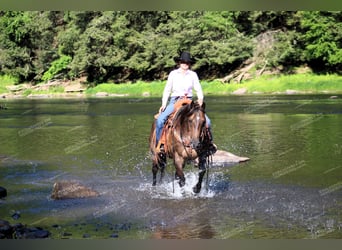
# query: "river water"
290,188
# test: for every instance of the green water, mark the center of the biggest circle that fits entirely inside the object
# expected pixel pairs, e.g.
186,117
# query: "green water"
290,188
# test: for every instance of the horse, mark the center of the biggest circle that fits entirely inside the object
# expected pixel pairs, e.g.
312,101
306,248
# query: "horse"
186,139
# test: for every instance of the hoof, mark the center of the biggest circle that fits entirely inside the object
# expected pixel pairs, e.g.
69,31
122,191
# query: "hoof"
181,183
196,189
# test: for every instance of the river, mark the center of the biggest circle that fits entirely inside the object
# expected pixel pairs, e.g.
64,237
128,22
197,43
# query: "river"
290,188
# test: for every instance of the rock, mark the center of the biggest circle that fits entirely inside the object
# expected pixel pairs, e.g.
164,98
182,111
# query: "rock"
16,215
146,94
114,235
37,96
16,88
71,189
240,91
6,230
3,192
86,235
221,158
291,92
101,94
75,87
19,231
31,233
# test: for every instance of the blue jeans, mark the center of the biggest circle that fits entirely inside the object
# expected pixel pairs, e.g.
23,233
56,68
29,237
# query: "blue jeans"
165,114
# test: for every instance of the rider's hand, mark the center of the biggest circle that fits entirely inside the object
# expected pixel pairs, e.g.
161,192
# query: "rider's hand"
161,109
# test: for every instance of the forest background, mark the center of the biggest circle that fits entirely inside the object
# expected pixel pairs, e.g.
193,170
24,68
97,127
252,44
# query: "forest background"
130,46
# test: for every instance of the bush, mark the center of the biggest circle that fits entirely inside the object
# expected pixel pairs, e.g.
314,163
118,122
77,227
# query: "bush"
57,66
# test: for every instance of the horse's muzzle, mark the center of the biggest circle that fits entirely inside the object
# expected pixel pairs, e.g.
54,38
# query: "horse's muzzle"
195,144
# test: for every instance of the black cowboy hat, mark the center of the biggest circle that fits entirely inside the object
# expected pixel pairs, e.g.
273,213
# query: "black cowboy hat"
184,57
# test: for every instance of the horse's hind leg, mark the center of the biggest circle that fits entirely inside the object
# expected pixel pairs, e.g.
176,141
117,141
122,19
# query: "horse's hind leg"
162,165
202,171
158,163
154,172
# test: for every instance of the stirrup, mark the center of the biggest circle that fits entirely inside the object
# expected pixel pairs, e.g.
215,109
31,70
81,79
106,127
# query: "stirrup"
160,148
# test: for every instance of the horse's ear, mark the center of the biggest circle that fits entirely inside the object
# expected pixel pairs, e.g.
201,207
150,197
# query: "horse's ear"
203,105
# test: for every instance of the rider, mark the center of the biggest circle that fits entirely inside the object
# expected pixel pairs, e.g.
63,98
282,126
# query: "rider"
179,84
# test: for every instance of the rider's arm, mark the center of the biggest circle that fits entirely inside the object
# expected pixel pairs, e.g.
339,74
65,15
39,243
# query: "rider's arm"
167,91
198,88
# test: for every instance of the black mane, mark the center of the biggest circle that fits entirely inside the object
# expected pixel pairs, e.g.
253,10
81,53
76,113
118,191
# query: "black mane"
186,111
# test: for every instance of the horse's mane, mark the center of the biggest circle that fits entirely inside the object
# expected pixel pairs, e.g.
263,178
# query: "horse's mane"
186,111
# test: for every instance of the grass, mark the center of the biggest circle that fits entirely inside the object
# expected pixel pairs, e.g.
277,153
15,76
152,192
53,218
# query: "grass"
132,89
303,83
300,82
6,81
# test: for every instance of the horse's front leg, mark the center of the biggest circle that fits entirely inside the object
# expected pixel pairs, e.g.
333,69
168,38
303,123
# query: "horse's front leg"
202,169
179,165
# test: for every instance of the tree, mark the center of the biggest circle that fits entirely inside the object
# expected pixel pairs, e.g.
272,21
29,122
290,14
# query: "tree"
322,39
27,44
130,45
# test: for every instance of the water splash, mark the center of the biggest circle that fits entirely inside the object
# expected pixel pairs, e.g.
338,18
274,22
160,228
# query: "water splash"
170,189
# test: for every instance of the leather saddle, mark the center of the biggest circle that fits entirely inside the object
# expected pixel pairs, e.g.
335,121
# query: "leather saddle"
168,124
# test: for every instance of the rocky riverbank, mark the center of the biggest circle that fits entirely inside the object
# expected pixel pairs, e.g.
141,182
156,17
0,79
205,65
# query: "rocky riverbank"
20,231
54,89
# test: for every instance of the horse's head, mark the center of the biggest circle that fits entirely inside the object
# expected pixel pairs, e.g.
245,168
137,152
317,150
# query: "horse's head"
190,122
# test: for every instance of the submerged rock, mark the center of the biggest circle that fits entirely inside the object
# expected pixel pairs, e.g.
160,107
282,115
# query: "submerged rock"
70,190
3,192
15,215
19,231
6,230
31,233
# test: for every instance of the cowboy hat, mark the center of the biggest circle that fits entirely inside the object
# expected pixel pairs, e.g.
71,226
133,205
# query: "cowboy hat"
184,57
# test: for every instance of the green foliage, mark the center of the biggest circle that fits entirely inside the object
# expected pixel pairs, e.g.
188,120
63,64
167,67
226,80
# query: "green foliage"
27,43
6,80
322,36
126,46
56,67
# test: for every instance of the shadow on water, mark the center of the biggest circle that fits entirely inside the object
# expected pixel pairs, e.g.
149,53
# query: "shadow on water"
291,188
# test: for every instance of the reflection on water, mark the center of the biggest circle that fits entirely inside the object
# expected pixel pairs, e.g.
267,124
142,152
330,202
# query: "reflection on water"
291,187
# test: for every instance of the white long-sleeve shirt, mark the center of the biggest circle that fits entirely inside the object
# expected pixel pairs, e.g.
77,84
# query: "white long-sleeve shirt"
179,84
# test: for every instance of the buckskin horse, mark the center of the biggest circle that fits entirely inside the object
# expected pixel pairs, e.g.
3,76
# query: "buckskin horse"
186,138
